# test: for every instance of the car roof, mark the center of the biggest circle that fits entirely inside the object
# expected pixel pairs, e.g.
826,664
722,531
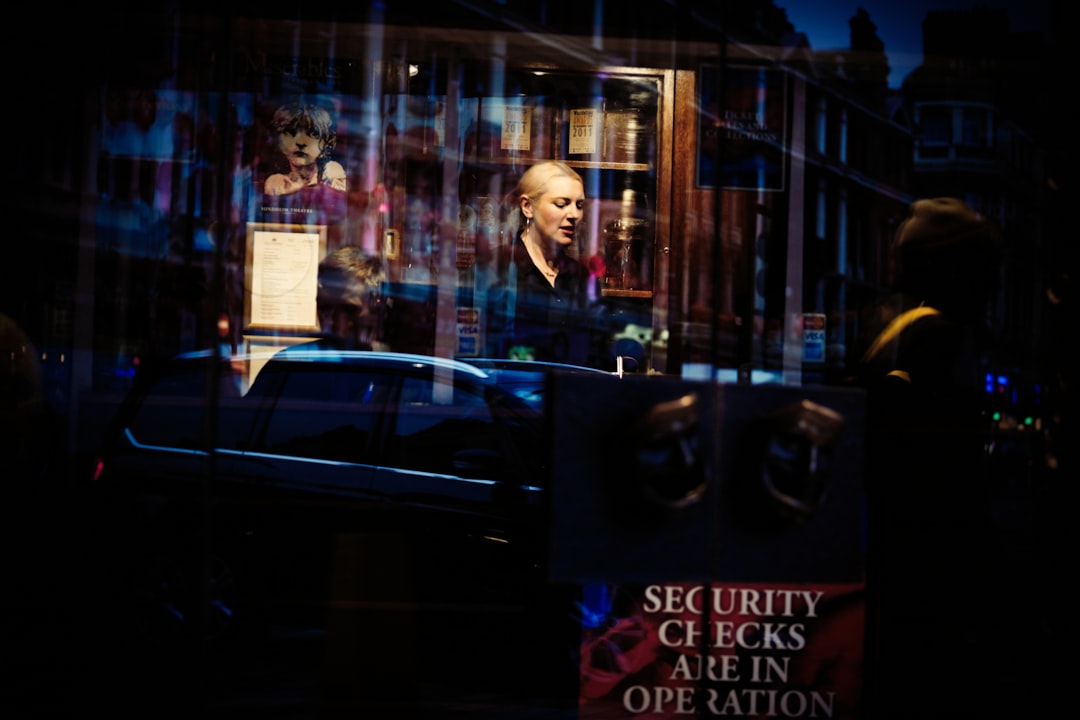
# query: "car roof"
525,366
481,368
330,356
376,357
526,380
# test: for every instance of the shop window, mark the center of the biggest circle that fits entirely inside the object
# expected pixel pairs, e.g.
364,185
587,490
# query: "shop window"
331,415
976,133
437,422
935,131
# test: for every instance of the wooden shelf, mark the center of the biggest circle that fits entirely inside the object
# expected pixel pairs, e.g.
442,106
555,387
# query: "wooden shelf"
627,293
585,164
596,165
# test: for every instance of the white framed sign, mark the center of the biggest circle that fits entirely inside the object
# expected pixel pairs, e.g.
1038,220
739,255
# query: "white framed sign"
281,278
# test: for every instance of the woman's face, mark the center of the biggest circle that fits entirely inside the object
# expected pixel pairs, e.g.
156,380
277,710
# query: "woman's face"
557,212
300,147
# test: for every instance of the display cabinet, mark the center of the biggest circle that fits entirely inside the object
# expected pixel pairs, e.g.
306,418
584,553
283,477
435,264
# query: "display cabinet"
452,156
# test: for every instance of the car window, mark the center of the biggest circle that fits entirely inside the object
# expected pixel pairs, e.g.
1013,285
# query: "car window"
173,412
330,413
443,428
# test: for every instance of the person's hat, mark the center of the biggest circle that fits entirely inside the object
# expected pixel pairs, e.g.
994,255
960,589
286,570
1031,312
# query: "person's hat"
941,238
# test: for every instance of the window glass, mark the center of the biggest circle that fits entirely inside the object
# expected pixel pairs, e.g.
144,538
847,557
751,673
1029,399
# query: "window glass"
332,414
977,133
445,429
976,127
936,125
173,413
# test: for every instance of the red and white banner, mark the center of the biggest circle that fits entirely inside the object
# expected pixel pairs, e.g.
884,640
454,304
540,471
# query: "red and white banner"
759,650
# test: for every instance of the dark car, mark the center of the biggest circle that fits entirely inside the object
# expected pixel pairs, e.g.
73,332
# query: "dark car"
527,379
361,492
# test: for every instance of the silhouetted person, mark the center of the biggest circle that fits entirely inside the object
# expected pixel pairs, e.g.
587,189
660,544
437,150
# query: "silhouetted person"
349,301
25,426
926,434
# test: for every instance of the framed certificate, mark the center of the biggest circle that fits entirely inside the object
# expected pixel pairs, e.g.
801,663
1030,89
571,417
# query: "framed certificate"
281,278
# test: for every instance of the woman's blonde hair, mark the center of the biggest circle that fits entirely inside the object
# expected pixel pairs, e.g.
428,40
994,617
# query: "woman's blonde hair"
532,185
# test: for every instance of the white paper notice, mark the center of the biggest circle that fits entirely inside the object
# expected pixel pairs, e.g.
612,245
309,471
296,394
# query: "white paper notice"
517,124
583,131
285,279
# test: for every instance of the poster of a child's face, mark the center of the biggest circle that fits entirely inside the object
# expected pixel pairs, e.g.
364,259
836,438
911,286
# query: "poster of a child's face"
302,137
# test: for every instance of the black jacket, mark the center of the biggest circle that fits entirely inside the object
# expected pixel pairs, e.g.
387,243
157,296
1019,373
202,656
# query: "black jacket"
551,323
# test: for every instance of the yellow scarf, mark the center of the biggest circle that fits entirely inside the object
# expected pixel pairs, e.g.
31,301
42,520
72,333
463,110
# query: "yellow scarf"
893,330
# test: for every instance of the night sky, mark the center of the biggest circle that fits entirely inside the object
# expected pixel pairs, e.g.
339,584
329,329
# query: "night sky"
899,23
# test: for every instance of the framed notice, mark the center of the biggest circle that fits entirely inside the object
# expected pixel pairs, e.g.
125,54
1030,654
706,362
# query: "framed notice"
742,126
281,276
583,131
516,127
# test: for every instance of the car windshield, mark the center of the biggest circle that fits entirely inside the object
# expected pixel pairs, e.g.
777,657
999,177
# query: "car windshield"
526,379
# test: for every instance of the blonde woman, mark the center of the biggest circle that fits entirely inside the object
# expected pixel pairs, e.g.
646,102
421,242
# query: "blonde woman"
544,312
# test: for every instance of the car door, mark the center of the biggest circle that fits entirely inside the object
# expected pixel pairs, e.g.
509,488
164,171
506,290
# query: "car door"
446,445
316,440
460,490
314,446
173,445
